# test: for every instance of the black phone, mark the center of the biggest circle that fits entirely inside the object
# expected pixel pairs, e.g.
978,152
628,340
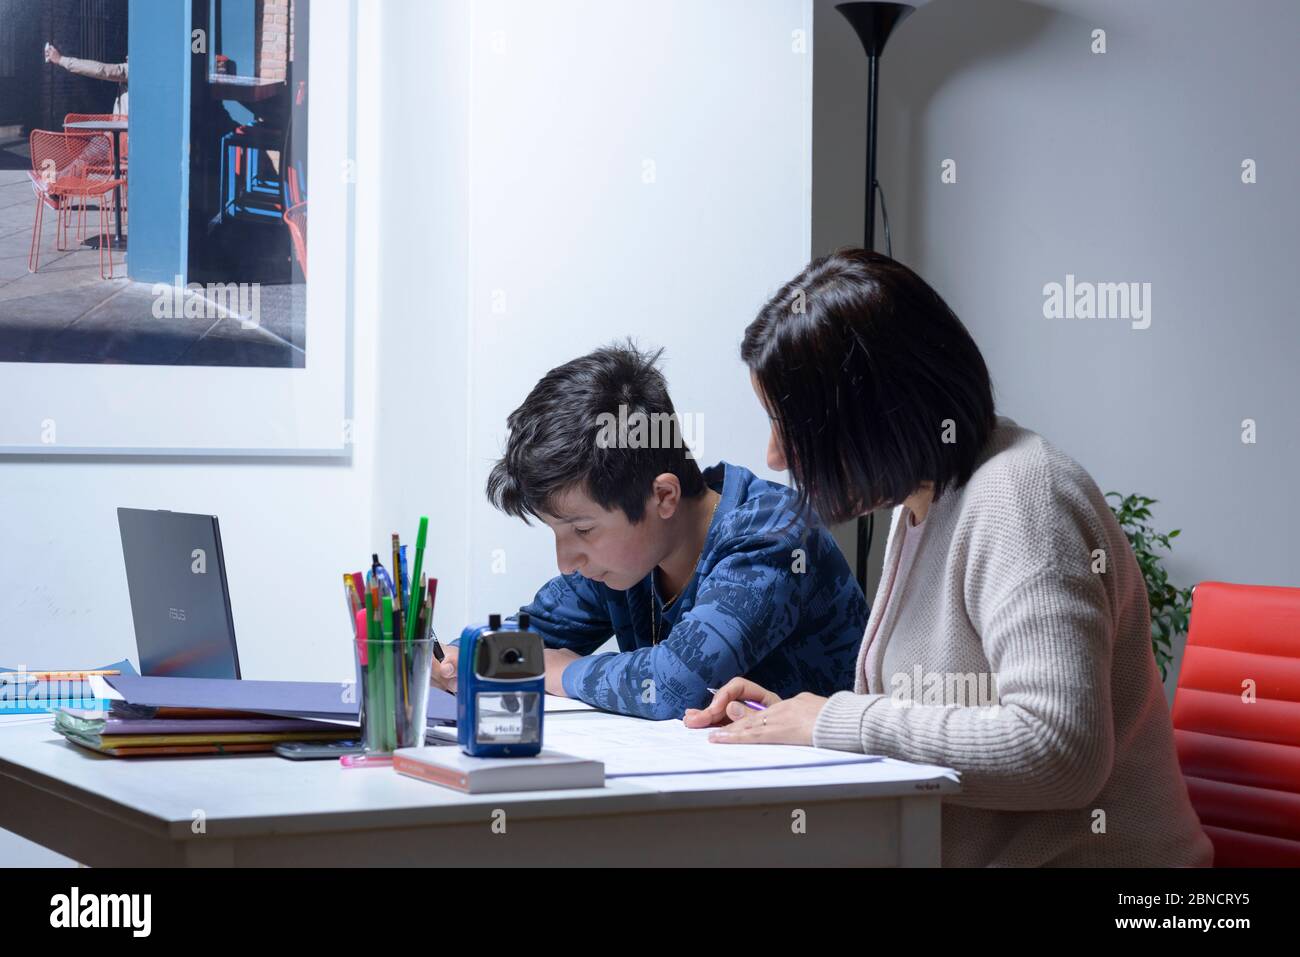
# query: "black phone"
317,750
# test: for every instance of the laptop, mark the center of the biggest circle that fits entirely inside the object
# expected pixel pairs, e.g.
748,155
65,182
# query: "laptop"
179,596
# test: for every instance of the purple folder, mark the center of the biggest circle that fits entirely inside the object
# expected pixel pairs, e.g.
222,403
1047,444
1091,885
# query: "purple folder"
114,725
294,699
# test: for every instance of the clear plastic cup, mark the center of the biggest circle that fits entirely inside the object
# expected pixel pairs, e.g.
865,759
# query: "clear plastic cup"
393,693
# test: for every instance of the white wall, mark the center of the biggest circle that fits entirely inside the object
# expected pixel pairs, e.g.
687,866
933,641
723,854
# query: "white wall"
567,121
564,245
1122,166
422,292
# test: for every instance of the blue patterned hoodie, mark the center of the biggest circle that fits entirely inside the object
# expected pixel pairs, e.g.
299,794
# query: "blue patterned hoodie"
771,600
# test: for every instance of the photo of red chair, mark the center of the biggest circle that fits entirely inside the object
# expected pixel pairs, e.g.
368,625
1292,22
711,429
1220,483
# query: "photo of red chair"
71,118
67,170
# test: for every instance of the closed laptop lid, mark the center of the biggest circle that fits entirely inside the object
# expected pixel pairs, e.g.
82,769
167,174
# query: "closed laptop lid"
180,601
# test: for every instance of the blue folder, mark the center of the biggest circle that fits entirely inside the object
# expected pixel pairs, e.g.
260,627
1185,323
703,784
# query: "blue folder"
46,696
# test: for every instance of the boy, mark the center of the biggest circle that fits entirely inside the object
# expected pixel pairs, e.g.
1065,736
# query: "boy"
700,576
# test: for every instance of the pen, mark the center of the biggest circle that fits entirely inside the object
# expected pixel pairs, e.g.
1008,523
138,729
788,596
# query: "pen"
398,592
359,623
380,574
46,675
422,619
365,761
753,705
352,597
433,597
404,579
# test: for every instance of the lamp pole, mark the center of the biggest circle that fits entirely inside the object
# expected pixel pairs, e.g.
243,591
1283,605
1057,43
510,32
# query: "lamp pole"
873,22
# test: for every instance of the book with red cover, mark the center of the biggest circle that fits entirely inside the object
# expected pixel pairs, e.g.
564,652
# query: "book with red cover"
452,768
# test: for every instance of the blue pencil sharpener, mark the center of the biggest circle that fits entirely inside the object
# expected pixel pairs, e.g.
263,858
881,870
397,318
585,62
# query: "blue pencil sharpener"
501,690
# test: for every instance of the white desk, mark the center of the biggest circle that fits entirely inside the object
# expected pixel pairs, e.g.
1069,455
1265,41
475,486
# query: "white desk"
261,810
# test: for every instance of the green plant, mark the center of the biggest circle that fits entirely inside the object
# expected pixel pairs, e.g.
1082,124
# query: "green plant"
1170,607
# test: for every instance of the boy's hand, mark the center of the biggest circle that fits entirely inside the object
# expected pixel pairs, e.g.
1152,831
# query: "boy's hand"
444,672
728,704
557,659
52,54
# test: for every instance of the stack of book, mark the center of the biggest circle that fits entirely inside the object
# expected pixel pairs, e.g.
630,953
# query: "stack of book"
26,691
128,730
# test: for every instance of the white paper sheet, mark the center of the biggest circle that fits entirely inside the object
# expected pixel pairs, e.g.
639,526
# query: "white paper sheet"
102,689
633,746
883,775
558,704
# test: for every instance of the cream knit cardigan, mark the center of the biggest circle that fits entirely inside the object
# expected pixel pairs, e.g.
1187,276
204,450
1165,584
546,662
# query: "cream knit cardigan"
1018,651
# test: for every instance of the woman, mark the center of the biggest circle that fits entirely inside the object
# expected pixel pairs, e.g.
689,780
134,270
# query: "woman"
112,72
1010,636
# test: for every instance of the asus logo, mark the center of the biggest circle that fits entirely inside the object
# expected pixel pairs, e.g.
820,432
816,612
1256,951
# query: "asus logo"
176,614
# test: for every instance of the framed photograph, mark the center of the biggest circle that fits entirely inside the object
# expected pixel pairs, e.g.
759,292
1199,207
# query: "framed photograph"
161,290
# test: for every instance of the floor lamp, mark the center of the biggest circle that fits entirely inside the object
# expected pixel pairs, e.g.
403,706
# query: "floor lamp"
873,22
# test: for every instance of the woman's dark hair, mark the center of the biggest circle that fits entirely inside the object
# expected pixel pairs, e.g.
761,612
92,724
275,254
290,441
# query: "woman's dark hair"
604,423
873,384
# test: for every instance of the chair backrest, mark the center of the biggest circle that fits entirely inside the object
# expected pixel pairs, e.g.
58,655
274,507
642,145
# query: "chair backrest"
296,218
59,157
1236,721
90,117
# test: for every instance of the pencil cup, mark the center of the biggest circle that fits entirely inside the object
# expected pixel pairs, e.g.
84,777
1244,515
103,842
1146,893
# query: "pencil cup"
393,682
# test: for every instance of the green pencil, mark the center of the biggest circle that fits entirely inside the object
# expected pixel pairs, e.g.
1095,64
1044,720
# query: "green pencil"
374,673
386,655
414,602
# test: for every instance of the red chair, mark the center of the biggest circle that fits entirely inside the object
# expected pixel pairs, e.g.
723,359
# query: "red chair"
71,118
296,219
1241,759
67,169
91,117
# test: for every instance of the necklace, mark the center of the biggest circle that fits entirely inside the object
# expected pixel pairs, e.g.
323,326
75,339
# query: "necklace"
655,620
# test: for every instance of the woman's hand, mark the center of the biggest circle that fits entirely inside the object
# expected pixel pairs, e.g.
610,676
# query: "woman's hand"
729,704
785,722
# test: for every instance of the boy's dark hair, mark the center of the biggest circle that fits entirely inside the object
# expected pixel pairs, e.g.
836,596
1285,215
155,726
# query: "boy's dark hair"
561,437
861,364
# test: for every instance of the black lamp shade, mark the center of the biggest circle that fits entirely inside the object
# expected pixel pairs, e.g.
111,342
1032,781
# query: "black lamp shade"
874,22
